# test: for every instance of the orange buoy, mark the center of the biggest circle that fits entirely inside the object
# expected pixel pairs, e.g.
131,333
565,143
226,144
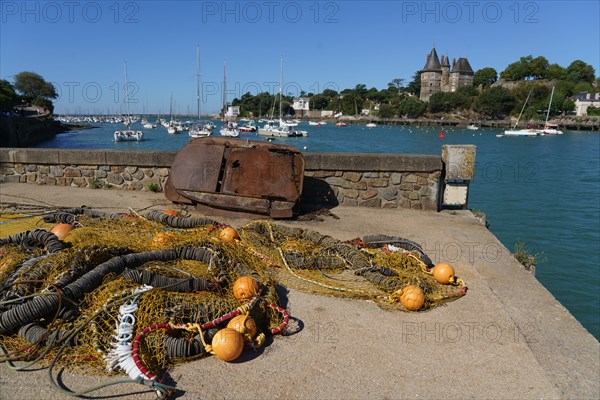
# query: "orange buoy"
412,298
62,230
228,235
245,325
227,344
442,133
171,212
245,287
443,273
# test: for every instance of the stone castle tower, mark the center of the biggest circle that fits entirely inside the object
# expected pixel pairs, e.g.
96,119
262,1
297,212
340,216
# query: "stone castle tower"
439,76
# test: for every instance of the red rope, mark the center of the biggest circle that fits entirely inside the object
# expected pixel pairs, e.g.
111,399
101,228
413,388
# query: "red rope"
136,346
215,227
286,318
221,319
208,325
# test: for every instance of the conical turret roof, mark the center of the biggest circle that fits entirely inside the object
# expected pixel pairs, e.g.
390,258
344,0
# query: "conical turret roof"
433,62
462,66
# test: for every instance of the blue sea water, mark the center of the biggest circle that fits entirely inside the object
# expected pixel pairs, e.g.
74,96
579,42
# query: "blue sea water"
543,191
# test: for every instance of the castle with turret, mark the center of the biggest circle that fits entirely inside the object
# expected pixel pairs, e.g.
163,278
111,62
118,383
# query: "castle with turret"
440,76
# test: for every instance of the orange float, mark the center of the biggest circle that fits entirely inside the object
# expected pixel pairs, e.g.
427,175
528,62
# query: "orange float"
443,273
228,235
227,344
412,298
62,230
245,325
245,287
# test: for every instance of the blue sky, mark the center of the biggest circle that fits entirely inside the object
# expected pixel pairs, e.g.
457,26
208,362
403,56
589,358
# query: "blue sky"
81,46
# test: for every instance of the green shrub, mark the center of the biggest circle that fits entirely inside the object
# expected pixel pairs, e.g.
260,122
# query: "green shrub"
153,187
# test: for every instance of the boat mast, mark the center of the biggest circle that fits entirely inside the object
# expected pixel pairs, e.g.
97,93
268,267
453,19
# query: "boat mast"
198,76
126,94
523,109
549,105
280,92
224,89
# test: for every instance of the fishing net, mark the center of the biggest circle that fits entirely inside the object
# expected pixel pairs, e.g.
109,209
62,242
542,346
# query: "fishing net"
137,294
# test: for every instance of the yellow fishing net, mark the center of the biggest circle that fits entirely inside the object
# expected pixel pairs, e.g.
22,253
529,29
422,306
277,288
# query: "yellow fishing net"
114,276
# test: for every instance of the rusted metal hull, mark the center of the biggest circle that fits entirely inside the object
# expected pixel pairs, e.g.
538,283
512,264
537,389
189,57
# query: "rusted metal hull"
223,174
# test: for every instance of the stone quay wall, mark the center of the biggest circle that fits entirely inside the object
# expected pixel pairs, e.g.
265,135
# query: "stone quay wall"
364,180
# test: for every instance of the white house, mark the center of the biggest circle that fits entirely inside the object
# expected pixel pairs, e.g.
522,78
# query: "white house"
301,106
584,100
232,111
372,110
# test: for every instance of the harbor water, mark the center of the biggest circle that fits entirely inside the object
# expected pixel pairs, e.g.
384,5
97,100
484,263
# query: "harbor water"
541,191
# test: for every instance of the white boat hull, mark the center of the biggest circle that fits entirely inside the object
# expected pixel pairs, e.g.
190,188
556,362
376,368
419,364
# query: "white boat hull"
230,132
551,132
128,136
197,134
273,133
523,132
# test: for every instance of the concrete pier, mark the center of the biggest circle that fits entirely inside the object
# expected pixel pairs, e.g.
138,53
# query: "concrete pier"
508,338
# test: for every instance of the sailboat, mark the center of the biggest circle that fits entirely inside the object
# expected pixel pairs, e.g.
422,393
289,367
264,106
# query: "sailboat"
522,132
229,128
128,134
550,129
285,129
171,129
200,129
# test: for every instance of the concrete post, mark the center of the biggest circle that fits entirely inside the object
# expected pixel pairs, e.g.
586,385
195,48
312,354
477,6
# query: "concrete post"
459,169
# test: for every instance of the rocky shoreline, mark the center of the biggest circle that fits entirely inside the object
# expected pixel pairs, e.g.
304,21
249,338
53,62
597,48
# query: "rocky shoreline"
17,131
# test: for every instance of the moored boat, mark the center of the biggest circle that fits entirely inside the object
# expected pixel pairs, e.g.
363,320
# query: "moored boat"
248,128
201,130
550,129
522,132
128,136
285,129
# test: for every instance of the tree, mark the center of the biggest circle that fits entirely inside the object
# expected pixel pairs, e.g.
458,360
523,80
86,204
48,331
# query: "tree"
397,84
8,96
330,93
464,97
360,89
496,102
376,95
440,102
485,77
579,71
538,67
351,103
555,71
568,106
583,87
32,86
518,70
386,111
319,102
414,86
411,107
